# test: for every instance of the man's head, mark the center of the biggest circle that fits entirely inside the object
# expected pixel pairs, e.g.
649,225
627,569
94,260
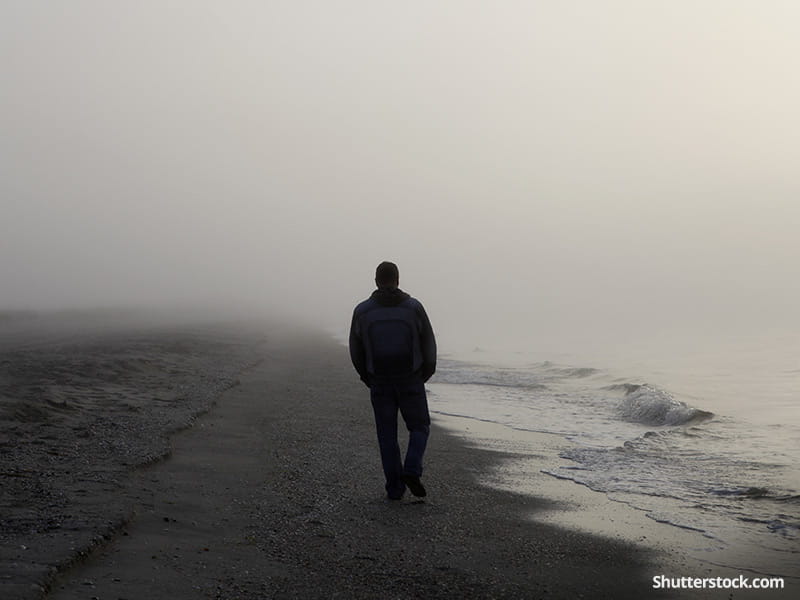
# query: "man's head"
387,275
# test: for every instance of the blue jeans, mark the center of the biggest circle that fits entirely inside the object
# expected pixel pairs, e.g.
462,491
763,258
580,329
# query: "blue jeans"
409,397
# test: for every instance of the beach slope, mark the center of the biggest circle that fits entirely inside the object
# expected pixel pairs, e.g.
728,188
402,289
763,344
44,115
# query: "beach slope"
277,493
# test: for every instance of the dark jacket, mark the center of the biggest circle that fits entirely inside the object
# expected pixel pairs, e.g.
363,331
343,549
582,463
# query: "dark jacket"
391,338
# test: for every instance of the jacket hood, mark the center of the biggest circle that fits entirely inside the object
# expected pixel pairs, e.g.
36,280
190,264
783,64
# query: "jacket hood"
389,296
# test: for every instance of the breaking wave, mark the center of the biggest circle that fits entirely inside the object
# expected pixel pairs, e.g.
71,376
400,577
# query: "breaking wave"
652,406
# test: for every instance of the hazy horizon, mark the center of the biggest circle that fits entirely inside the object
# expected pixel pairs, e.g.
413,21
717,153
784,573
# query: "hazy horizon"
530,167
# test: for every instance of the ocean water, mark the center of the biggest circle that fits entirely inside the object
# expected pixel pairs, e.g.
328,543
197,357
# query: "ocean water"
701,432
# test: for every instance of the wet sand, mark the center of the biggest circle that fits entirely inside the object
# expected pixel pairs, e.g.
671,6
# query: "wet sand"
277,492
526,458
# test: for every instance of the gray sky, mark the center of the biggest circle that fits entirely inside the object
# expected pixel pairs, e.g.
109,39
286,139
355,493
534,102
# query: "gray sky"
530,166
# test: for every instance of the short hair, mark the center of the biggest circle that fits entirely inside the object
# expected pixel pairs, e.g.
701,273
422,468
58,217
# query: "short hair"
387,274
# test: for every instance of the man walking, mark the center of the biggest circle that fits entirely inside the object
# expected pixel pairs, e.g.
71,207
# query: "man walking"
394,351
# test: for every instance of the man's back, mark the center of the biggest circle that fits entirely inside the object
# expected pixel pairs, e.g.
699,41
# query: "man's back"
391,337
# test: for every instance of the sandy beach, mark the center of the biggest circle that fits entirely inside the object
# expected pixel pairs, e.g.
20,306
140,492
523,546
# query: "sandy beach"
276,492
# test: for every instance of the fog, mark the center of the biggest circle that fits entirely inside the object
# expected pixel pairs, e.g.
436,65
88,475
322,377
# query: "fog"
530,166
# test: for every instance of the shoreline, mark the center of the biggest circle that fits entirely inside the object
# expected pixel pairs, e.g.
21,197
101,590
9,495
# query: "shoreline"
679,550
277,492
577,506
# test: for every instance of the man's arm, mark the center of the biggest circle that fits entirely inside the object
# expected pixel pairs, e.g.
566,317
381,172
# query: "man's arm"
428,343
357,352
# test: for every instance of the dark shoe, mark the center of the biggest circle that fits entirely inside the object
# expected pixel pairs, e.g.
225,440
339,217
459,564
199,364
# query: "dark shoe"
396,492
415,485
